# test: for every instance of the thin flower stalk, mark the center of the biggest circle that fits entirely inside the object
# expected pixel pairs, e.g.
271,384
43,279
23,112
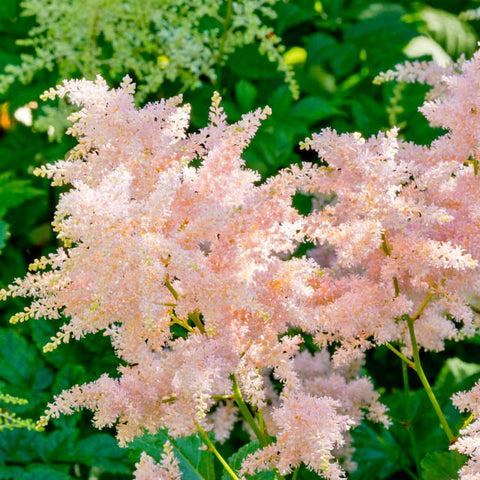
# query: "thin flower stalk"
211,446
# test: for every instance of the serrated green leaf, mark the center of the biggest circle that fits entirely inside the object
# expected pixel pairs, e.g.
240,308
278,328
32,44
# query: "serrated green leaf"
8,472
100,450
69,375
377,453
14,192
46,472
54,446
454,35
20,362
20,446
311,110
440,466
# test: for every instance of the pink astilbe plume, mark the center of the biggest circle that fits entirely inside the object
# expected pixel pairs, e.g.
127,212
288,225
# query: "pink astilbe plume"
168,469
152,243
183,258
469,441
401,228
308,430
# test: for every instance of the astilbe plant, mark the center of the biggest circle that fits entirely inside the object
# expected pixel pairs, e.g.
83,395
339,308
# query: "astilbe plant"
156,40
183,258
152,242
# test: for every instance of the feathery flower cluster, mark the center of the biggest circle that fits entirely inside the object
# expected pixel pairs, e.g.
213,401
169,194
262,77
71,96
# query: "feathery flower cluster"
468,15
175,250
308,430
403,228
168,469
156,40
153,243
469,441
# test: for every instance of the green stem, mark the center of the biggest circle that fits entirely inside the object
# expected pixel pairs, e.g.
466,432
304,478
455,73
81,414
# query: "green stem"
246,412
195,318
400,355
223,40
261,423
211,446
222,397
295,473
422,307
387,251
410,431
183,324
226,29
385,246
468,421
425,383
170,288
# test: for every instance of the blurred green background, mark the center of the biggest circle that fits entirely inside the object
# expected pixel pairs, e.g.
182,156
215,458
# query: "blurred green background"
333,49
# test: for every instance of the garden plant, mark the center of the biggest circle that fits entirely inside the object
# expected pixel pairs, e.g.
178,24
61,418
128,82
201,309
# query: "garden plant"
265,264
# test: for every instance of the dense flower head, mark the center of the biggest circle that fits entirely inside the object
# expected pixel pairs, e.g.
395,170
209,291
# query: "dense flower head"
309,429
168,469
175,250
178,253
399,226
469,441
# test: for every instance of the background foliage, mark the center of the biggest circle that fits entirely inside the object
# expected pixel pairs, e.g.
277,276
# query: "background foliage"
335,49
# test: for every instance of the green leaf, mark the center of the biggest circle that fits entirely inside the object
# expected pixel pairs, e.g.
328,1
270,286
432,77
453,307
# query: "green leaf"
439,466
9,9
280,101
246,94
381,25
20,446
318,47
56,445
311,110
195,462
11,473
235,462
377,453
291,14
453,373
69,375
21,364
247,62
100,450
4,233
46,472
455,36
15,192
